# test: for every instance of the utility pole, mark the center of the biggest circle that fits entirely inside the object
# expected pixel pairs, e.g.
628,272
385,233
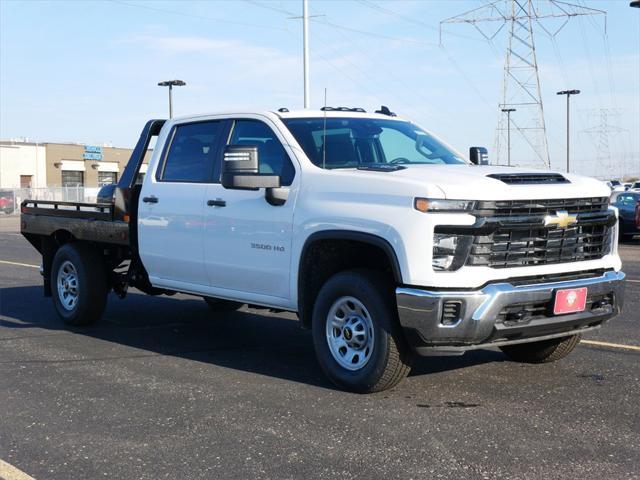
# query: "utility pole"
305,41
508,112
568,93
171,84
521,79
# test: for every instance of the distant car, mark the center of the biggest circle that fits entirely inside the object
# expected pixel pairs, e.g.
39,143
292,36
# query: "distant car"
7,201
628,204
615,183
635,186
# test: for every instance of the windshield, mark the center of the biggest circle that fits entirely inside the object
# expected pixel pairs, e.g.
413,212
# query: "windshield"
360,142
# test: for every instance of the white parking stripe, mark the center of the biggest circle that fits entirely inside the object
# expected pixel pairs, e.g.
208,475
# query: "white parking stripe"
9,472
19,264
634,281
610,345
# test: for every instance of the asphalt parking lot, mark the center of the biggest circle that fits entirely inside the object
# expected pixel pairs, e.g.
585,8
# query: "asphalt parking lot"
163,388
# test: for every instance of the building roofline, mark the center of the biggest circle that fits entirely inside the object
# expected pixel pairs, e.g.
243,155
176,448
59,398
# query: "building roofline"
71,144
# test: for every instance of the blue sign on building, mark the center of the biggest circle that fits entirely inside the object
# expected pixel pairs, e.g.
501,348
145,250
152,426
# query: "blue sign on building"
92,152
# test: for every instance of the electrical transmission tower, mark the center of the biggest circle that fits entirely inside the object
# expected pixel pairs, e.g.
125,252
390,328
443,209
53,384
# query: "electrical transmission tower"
601,134
521,81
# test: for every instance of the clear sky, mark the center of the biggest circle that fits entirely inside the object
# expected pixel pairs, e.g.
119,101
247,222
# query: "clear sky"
87,71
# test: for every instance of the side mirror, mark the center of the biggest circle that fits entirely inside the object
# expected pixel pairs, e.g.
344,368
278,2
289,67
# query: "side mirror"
479,156
240,169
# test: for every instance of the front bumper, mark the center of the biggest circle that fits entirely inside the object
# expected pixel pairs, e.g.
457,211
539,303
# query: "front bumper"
501,313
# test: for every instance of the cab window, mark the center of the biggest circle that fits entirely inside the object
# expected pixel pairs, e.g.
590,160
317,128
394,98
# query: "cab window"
191,153
272,157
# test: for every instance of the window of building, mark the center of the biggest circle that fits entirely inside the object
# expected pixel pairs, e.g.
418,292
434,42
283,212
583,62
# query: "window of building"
25,181
72,178
272,157
191,154
107,178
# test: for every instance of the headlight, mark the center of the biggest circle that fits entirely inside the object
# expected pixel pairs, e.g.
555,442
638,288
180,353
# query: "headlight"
439,205
450,251
444,251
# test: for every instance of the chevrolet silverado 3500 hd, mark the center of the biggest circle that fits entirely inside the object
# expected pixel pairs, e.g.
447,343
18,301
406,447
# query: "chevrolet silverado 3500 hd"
385,241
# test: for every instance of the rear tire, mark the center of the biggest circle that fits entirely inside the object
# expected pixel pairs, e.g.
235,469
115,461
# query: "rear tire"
356,334
79,284
219,305
544,351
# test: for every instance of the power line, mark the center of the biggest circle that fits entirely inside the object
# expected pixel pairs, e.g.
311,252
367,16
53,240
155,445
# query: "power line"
199,17
321,20
521,80
385,11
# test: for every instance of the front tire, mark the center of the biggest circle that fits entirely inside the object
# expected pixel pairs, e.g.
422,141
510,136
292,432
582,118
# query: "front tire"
545,351
79,284
356,333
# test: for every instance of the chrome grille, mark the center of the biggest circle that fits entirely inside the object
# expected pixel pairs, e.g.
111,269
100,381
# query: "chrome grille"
511,208
521,239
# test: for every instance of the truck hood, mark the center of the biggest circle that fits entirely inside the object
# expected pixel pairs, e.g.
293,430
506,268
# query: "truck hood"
473,182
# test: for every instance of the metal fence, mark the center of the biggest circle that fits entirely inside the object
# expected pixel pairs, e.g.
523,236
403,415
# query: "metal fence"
10,198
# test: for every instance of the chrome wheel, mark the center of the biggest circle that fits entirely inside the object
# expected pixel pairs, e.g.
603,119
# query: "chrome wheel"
67,283
349,330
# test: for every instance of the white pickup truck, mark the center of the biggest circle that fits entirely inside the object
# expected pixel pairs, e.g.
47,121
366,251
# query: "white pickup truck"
385,241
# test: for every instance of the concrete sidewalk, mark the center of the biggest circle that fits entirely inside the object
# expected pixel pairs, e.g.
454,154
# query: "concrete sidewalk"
9,223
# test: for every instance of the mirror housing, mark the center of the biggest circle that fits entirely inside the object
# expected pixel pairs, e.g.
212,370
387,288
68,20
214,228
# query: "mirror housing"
479,156
240,169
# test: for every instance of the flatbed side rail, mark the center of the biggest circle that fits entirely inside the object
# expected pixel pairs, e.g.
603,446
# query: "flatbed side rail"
92,211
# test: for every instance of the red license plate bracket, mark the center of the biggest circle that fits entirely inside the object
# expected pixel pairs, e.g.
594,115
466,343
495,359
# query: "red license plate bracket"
570,300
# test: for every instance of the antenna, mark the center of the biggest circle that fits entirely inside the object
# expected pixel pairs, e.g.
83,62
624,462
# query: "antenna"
324,132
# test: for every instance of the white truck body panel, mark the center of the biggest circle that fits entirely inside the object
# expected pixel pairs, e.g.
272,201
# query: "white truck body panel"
218,258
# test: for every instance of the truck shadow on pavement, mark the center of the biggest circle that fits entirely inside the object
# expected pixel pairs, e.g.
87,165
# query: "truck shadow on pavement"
248,340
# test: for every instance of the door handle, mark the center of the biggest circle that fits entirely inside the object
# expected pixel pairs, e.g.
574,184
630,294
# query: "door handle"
218,202
151,199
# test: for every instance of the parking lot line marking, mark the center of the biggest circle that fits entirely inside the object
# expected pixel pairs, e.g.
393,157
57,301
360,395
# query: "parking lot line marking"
9,472
19,264
610,345
632,280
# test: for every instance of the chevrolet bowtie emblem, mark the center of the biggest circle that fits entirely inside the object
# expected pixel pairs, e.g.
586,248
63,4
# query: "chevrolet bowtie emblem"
562,219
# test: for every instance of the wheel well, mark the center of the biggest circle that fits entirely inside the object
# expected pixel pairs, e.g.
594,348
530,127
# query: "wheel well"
323,257
62,236
48,246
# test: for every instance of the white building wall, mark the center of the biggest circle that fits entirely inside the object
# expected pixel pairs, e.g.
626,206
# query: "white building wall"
22,159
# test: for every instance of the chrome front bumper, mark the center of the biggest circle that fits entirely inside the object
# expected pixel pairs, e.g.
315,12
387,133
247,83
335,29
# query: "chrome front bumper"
479,322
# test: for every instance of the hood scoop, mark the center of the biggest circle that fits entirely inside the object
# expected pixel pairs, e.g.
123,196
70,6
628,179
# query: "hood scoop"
529,178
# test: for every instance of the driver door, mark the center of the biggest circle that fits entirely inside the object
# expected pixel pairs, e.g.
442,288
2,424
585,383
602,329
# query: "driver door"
247,241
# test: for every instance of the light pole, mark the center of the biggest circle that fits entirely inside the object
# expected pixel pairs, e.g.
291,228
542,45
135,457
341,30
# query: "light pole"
508,112
305,51
568,93
171,84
